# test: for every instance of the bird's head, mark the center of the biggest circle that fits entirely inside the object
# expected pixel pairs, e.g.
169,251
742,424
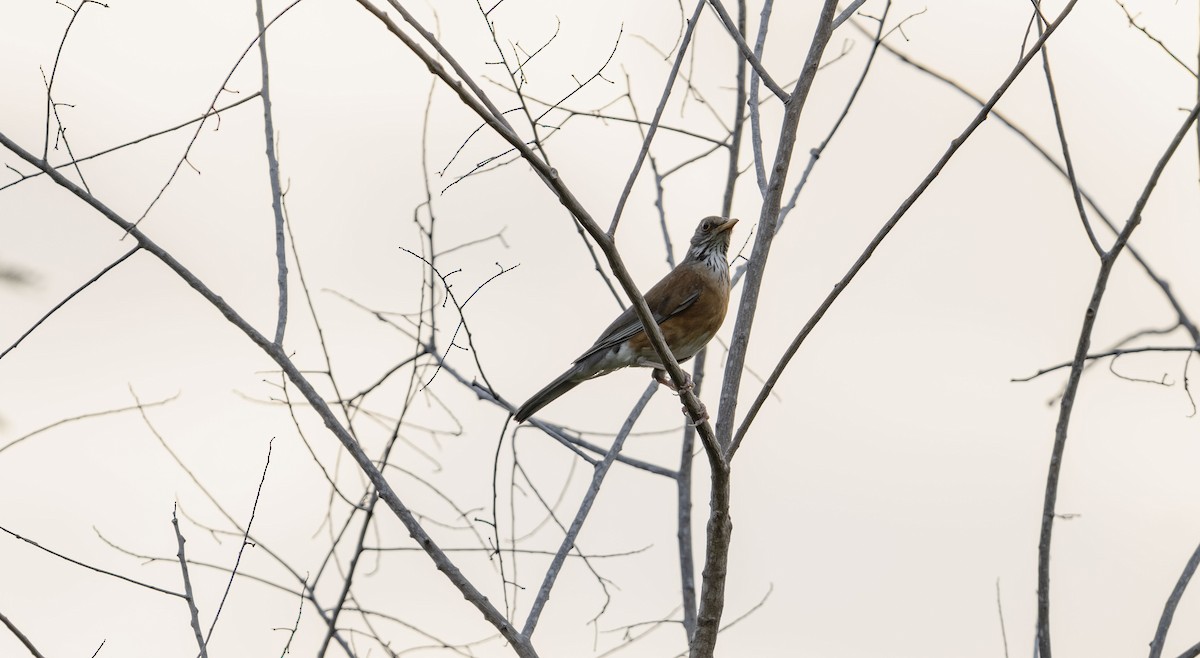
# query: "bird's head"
710,243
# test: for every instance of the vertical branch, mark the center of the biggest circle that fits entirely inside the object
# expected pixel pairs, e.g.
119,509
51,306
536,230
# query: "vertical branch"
683,487
273,171
766,227
739,118
187,589
716,562
687,566
760,170
720,525
1107,260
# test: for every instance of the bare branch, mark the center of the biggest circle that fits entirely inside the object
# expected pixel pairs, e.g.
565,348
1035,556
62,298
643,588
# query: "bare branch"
88,566
21,636
273,174
658,112
1062,139
187,588
751,56
68,298
1101,355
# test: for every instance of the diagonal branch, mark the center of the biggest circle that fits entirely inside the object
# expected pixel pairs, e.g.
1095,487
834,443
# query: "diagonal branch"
1168,613
747,53
658,112
568,542
20,636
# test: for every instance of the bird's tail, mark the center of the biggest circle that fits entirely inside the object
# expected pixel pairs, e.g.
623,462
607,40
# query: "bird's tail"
565,382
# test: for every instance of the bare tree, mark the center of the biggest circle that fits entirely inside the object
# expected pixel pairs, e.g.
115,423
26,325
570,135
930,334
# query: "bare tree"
515,525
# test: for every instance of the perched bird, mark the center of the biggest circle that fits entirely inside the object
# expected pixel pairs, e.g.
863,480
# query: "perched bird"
689,305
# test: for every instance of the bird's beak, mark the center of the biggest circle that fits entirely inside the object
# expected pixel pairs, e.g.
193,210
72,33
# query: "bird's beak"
726,226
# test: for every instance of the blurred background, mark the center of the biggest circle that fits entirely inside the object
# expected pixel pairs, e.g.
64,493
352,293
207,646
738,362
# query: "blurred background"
889,495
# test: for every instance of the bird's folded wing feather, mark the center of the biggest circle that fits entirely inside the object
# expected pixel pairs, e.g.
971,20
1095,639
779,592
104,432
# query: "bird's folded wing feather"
665,301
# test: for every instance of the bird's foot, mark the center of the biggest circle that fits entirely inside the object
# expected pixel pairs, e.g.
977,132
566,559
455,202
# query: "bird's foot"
661,377
703,416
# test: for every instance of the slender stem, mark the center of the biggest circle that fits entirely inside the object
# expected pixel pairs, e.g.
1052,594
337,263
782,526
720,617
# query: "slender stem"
368,516
658,112
748,54
1062,139
739,121
273,172
1068,399
683,533
68,298
194,613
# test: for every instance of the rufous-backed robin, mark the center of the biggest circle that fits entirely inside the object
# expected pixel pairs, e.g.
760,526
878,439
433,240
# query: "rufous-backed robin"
689,305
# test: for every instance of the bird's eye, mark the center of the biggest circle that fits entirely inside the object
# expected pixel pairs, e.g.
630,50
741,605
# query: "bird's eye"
706,226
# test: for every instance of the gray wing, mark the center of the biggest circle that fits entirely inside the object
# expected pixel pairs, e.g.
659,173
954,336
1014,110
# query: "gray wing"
627,324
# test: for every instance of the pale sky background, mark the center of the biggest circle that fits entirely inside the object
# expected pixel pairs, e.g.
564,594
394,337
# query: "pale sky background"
898,475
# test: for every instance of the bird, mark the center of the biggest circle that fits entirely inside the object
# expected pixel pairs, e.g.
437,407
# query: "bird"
689,305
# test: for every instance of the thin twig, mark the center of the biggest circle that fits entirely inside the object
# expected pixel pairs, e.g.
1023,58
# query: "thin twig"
1000,611
88,566
93,414
194,612
1062,139
69,163
658,112
68,298
211,106
242,547
1102,355
750,55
